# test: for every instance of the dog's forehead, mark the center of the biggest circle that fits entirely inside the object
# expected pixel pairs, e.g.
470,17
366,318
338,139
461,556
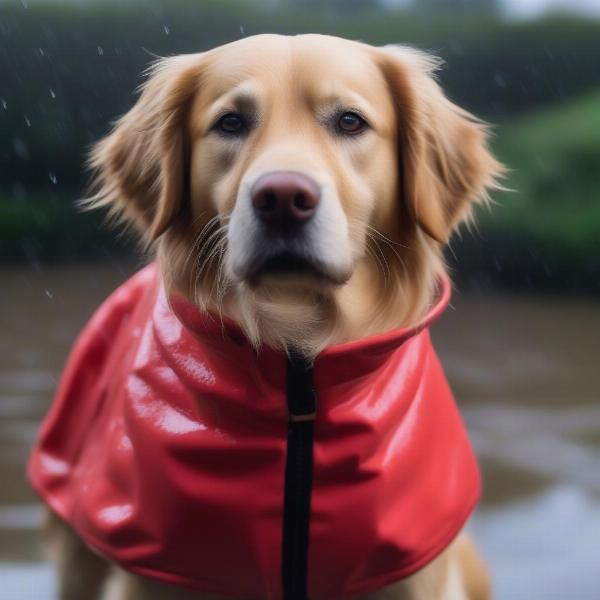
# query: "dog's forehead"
314,65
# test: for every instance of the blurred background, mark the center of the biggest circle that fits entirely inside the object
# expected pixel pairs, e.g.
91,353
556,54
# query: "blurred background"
520,343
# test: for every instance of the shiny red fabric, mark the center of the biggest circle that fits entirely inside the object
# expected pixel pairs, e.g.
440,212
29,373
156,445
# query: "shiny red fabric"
165,449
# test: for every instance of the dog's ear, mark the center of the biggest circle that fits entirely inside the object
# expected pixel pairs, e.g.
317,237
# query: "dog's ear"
445,161
140,168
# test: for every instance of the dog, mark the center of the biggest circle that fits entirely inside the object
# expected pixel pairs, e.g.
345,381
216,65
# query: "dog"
300,191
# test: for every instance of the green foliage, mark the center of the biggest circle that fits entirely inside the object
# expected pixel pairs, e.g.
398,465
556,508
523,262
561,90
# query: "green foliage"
51,227
545,234
554,156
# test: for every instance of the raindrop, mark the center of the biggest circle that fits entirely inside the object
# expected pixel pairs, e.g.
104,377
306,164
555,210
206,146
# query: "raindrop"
100,50
166,30
49,294
497,264
242,30
24,4
52,94
27,121
21,149
499,80
4,103
52,177
41,51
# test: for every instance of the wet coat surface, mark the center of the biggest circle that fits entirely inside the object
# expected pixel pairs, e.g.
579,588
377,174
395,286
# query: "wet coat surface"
166,446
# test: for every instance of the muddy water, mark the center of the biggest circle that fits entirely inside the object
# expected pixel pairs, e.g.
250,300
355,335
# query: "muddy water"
524,368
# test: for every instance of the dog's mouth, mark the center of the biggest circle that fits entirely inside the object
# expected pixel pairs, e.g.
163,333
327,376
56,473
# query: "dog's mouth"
286,262
289,266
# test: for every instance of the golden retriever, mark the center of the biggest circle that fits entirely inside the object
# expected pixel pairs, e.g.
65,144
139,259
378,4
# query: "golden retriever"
357,147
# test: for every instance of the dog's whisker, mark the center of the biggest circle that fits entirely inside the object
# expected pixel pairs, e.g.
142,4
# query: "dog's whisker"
214,247
381,266
206,247
199,239
384,238
377,237
217,250
396,254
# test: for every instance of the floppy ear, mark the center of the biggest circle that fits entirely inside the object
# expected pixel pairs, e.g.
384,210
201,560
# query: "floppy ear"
445,161
141,167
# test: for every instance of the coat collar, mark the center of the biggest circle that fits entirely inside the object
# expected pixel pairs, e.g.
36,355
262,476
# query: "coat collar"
340,363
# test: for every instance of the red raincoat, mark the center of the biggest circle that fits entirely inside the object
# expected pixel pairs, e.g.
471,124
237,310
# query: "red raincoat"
165,449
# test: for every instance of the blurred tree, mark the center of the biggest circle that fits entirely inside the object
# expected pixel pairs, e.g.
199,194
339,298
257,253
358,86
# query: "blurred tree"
336,5
458,7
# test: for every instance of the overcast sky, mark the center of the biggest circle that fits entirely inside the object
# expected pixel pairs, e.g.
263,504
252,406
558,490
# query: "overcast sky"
533,8
526,9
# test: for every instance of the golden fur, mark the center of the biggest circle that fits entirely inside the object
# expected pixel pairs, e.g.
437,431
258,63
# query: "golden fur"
403,191
400,189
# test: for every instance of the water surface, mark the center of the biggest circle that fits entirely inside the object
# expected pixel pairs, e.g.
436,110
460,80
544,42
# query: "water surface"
525,371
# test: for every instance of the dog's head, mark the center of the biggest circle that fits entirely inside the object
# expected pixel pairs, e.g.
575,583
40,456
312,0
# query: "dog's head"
293,162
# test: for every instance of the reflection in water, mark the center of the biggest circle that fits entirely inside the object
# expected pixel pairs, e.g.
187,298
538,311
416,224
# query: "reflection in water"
544,548
524,370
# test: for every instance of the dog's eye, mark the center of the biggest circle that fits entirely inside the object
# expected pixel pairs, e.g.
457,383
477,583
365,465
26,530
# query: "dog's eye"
231,124
351,123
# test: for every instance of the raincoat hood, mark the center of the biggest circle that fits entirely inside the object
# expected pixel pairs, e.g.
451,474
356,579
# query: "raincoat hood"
168,449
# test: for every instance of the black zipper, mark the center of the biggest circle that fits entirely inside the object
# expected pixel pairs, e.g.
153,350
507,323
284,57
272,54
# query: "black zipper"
301,401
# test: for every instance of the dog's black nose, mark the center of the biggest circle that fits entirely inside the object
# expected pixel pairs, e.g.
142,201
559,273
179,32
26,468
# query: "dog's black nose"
285,199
